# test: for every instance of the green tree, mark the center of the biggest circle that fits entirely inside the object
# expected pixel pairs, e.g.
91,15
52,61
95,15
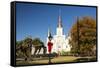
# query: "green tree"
83,36
38,45
37,42
23,48
18,50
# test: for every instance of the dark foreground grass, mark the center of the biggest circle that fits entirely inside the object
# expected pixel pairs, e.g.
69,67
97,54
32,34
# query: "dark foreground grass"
60,59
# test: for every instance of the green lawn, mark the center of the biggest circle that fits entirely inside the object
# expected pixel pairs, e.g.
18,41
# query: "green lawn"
59,59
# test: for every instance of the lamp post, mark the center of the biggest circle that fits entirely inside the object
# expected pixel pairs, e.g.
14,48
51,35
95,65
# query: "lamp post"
50,44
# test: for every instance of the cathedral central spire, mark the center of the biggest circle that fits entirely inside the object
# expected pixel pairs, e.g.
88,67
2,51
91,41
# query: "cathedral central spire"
59,19
59,26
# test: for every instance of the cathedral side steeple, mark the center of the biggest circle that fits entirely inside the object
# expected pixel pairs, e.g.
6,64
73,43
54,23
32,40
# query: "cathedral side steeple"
48,32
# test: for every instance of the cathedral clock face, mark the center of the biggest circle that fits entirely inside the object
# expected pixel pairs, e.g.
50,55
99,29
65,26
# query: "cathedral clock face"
59,38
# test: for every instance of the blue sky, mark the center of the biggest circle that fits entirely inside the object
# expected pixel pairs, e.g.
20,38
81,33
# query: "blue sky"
35,19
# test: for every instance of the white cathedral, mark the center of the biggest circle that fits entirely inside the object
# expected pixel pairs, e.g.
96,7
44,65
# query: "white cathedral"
60,41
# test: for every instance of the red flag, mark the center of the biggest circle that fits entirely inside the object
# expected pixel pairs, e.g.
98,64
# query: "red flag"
50,44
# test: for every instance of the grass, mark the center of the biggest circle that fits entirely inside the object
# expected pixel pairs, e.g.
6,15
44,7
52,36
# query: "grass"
60,59
64,59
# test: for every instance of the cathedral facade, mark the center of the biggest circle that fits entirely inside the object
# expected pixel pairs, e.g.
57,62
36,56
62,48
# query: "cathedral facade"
60,41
